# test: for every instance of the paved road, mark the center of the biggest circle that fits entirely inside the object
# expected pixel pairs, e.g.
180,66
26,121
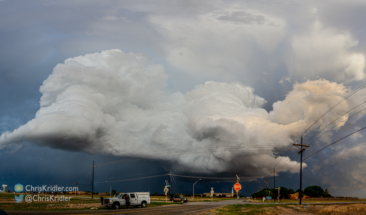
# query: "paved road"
187,208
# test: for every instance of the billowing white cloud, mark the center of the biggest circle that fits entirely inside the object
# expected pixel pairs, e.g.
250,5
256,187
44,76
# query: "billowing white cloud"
117,103
326,52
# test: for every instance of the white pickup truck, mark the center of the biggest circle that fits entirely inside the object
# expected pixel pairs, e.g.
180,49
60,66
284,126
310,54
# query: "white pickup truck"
135,199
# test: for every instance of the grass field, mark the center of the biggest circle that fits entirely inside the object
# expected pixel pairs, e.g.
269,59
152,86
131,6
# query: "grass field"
196,199
245,209
354,209
306,201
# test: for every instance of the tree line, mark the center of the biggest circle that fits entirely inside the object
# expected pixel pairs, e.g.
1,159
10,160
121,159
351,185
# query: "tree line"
312,191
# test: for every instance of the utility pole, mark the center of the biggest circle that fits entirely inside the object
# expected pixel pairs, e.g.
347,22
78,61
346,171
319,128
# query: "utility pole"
301,152
169,184
193,186
93,180
266,187
260,189
274,183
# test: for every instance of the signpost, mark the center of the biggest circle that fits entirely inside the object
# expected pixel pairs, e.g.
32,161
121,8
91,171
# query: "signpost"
237,187
278,197
166,190
212,193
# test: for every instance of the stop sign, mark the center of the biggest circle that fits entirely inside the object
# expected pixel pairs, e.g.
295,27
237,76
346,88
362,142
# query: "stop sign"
237,187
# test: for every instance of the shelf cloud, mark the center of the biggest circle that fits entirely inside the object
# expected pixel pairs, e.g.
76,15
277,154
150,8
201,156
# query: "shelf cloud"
118,103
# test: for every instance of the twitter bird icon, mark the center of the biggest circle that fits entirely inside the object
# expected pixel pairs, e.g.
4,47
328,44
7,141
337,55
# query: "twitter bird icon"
19,198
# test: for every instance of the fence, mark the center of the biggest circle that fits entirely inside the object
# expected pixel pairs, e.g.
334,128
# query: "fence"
332,199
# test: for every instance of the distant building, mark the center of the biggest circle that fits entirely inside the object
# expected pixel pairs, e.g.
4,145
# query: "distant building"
229,195
296,196
104,194
79,193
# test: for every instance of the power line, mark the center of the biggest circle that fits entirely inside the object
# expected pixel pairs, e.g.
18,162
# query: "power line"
132,175
338,124
321,150
283,156
117,161
290,159
154,176
334,143
344,98
346,157
287,172
176,184
223,178
338,119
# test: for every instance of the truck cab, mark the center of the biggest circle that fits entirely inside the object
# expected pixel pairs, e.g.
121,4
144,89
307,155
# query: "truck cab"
126,199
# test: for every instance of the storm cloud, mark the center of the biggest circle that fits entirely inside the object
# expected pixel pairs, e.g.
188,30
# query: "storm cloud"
117,103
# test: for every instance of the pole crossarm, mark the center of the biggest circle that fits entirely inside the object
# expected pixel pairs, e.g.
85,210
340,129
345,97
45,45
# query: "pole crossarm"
273,173
303,145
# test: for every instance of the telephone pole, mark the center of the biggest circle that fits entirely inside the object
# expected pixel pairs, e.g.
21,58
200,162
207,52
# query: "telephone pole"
301,152
266,187
169,184
93,179
274,183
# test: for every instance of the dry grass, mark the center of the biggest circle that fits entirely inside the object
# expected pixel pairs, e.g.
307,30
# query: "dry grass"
196,199
354,209
343,209
252,209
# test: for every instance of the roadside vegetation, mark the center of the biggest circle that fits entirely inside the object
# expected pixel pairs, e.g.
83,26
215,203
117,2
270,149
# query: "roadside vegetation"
311,191
273,209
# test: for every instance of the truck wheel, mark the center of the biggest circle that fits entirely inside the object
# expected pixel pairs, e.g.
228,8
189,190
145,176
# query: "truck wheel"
143,204
115,205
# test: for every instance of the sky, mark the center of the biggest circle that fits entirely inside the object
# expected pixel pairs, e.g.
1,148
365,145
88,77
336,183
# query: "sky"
208,88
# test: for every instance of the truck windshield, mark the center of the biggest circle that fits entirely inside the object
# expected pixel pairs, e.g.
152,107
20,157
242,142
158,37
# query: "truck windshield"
120,195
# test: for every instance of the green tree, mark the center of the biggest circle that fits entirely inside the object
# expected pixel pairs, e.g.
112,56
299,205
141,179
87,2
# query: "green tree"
284,192
262,193
298,191
326,192
291,191
314,191
114,192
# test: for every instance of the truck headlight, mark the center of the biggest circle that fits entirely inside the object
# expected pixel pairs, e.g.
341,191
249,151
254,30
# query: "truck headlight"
111,200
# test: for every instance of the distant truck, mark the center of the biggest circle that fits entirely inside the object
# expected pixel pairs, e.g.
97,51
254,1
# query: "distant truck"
128,199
